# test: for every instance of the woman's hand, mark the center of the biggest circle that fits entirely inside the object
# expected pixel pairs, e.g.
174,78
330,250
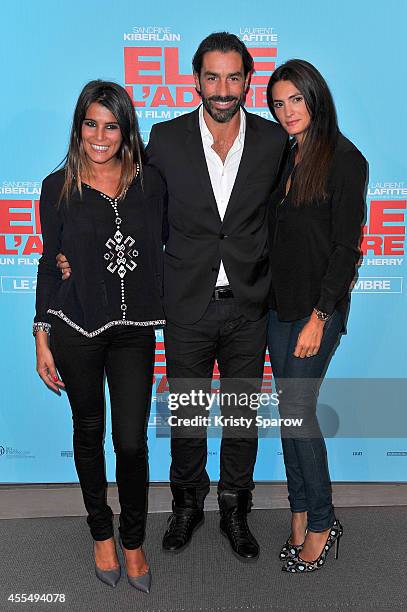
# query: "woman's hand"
63,265
45,363
309,338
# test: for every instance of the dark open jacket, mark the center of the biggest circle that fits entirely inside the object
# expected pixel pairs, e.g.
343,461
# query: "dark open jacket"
197,237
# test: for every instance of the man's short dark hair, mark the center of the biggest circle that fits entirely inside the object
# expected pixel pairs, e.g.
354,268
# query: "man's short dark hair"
224,42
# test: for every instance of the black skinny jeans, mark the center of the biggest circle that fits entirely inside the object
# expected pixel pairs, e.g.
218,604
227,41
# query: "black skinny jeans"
126,355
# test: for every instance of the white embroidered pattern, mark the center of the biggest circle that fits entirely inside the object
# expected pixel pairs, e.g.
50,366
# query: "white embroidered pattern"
61,315
121,255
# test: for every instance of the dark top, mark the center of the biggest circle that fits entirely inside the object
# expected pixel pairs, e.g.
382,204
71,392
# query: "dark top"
197,238
315,247
115,252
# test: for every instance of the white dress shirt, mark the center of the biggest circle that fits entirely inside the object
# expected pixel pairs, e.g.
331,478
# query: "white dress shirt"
222,175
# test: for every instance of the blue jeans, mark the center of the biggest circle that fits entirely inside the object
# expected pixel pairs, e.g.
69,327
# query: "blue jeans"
298,382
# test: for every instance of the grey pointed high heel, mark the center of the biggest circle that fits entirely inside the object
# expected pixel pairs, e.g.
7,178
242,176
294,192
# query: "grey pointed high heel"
109,577
141,583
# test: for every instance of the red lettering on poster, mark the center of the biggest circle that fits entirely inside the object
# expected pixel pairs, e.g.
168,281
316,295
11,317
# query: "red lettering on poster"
373,244
262,66
37,219
162,97
142,75
8,217
182,92
171,68
20,239
381,235
33,246
4,249
379,217
134,65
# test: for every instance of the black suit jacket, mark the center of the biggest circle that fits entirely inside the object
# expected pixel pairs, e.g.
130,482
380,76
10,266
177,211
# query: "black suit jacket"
197,240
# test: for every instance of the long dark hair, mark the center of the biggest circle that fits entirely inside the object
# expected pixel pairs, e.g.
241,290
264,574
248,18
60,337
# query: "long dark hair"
319,142
118,102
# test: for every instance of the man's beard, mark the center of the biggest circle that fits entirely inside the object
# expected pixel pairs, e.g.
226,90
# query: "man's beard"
219,115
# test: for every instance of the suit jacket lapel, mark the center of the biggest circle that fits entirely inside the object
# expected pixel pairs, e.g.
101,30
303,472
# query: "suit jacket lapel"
247,162
196,155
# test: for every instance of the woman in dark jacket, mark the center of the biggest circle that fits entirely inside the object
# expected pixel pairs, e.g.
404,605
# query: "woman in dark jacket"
315,229
103,210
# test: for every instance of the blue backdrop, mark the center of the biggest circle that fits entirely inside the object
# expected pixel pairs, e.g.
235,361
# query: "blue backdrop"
50,49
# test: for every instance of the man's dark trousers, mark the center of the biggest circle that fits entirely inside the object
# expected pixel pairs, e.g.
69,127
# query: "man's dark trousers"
238,345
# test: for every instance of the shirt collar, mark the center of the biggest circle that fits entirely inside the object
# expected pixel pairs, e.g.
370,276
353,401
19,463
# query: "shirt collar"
206,134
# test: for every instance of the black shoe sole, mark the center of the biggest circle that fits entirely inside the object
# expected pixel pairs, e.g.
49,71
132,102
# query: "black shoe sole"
229,548
175,551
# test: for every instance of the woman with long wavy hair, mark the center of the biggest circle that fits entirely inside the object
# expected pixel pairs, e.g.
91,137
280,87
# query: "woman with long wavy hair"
315,228
103,211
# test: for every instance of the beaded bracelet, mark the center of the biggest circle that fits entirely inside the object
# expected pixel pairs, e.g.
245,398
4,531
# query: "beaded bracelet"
41,327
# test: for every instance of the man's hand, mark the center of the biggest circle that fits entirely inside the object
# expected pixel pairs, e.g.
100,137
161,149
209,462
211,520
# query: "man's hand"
63,265
309,338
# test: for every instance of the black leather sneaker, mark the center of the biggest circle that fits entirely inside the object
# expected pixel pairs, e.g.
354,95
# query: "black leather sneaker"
186,517
234,506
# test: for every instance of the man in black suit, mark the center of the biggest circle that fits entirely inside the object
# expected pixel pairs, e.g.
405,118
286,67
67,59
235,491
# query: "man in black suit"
220,164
